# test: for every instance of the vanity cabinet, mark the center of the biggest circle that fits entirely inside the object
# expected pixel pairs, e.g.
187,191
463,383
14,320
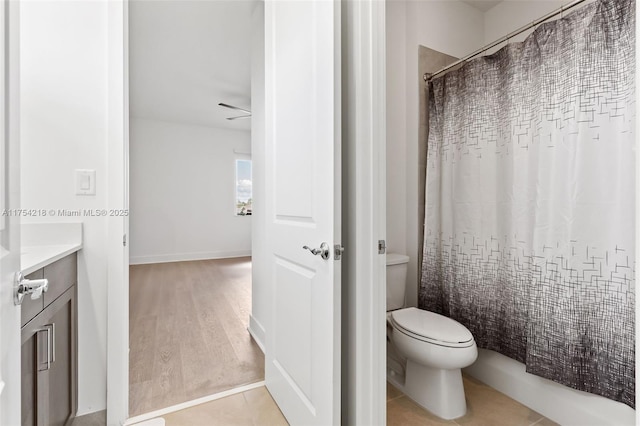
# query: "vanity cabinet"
49,348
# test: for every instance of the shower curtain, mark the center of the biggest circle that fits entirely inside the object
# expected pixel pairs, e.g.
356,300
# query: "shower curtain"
530,200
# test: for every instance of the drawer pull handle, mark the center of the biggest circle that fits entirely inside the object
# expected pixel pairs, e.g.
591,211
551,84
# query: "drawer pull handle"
53,341
46,328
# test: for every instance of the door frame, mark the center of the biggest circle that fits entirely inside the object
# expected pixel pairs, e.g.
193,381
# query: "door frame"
364,212
10,372
364,268
118,198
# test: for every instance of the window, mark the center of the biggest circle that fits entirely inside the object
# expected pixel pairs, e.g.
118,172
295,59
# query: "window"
243,188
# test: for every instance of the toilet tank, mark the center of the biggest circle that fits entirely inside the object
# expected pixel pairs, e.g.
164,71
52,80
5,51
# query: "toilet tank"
396,280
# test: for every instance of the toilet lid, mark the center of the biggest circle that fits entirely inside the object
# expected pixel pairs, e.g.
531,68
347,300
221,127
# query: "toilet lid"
432,327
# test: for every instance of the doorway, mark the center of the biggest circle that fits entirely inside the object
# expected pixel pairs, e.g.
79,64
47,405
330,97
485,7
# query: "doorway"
364,232
190,202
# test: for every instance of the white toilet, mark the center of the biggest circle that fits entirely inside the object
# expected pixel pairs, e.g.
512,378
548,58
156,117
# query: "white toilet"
432,349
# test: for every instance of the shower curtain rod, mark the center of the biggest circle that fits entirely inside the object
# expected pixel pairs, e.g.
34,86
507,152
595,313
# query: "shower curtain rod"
428,76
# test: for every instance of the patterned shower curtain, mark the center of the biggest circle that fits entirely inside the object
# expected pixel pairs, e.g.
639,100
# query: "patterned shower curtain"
530,200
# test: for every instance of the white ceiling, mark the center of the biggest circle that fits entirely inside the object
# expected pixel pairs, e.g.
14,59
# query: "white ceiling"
482,5
186,57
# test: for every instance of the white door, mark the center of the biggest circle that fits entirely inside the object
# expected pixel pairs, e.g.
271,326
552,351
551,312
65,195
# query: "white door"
302,207
9,226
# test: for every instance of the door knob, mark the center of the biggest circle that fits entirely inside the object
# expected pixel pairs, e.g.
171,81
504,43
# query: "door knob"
323,251
24,286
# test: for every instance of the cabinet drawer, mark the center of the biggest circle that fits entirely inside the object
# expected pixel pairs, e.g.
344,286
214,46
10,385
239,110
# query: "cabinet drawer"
61,274
31,308
49,364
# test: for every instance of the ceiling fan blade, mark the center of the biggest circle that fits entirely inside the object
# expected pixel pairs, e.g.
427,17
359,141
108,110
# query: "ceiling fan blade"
234,107
241,116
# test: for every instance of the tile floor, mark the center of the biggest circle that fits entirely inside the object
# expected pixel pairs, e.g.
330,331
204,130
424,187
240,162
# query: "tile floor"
254,407
485,407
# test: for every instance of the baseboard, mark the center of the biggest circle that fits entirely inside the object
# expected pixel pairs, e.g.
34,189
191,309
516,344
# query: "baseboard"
182,257
257,332
557,402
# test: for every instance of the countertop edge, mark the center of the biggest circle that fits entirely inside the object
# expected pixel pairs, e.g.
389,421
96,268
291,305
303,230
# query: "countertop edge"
64,250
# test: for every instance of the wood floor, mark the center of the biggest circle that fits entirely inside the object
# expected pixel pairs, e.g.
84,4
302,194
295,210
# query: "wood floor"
188,333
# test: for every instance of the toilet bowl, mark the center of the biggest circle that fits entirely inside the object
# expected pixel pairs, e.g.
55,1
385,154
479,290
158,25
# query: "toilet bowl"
436,348
427,350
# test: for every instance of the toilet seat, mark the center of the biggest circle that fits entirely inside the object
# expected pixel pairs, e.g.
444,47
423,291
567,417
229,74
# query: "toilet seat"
431,328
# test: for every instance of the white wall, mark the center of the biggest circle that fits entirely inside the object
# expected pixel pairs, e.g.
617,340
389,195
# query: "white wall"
451,27
396,50
182,192
508,16
64,127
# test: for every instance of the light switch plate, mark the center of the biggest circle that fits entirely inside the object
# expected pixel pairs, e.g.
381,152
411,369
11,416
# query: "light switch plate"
85,182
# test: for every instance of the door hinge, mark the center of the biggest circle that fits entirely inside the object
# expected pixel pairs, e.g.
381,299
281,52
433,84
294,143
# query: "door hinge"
382,247
124,240
337,251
